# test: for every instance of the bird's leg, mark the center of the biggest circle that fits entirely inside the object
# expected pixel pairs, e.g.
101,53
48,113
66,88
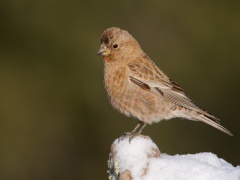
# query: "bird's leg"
136,133
135,129
132,132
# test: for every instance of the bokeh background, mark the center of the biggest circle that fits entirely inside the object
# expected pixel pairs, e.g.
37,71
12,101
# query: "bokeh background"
55,118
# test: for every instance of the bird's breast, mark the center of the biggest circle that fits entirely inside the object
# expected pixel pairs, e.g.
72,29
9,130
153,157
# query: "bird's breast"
116,81
130,99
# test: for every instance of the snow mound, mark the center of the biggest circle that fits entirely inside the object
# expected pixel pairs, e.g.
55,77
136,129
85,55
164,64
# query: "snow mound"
141,159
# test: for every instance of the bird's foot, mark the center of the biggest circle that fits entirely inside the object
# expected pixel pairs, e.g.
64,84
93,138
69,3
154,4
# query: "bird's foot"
129,135
136,131
125,134
135,134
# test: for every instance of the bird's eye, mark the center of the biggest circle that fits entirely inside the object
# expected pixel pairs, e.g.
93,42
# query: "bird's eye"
115,46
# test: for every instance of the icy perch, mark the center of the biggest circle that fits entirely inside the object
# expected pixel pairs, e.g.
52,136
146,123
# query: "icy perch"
141,159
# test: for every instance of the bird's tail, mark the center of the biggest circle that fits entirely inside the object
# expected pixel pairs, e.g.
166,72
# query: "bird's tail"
210,120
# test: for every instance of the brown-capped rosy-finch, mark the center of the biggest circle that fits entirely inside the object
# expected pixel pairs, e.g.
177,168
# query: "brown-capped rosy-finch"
137,87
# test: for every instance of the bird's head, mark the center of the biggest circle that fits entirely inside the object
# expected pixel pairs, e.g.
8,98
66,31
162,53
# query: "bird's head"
117,44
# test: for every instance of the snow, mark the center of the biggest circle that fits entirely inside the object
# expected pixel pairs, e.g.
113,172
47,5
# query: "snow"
141,159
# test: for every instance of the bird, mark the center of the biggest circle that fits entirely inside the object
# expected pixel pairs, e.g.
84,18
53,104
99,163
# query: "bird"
138,88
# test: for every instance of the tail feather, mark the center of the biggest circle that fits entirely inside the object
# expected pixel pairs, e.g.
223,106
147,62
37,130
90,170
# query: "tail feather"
212,121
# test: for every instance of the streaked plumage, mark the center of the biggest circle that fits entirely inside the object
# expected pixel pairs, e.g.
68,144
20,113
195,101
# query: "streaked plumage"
138,88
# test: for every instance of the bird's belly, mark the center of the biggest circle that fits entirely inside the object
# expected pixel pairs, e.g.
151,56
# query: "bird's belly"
136,102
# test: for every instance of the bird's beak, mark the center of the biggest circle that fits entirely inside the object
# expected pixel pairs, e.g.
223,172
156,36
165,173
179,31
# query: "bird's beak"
99,52
103,50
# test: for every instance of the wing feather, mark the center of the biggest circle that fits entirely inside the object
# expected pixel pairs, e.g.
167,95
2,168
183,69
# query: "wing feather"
150,75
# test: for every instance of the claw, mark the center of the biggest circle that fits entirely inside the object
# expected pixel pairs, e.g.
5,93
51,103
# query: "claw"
133,136
134,133
125,134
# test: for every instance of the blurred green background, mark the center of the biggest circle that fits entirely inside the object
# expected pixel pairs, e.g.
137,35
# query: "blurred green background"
55,118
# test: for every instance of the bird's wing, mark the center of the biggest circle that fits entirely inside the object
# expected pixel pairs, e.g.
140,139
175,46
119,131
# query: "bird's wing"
149,77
